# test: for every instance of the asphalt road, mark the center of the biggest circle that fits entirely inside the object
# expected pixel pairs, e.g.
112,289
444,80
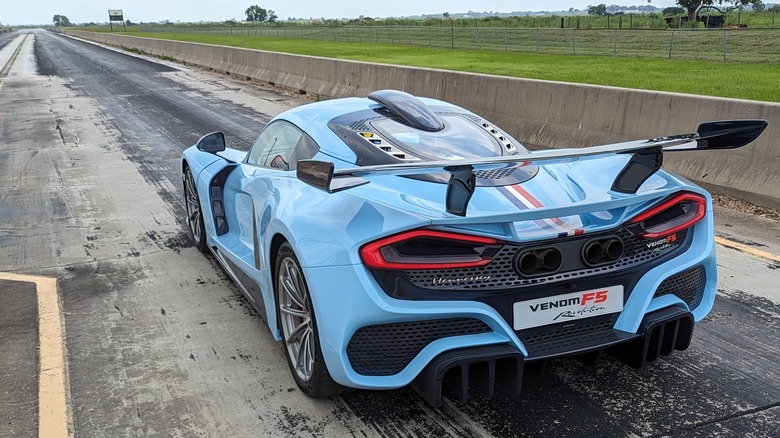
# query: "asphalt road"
160,343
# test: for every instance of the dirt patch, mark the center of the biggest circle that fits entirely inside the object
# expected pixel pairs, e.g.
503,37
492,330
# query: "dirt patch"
746,207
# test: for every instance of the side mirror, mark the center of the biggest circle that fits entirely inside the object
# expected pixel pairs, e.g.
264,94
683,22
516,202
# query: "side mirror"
213,142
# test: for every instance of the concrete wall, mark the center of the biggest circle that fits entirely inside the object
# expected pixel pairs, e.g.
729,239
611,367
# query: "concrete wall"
550,114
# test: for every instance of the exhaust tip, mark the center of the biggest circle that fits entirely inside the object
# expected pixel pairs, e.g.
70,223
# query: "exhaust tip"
602,251
614,249
538,262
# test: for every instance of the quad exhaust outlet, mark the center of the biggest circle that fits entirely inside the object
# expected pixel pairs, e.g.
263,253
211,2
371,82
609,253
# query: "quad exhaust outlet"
602,251
539,261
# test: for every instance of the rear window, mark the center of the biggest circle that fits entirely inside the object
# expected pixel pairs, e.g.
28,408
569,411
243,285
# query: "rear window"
460,139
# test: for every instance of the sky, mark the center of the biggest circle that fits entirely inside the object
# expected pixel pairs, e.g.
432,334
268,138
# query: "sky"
15,12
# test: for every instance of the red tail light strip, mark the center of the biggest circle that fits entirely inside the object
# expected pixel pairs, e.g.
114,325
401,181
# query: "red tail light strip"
695,212
372,254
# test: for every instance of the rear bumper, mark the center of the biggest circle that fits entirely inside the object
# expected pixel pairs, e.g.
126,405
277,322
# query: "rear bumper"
488,369
348,302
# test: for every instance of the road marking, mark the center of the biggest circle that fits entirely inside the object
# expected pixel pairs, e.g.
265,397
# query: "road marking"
7,67
53,415
747,249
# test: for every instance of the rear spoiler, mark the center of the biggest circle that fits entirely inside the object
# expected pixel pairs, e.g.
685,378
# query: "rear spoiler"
646,159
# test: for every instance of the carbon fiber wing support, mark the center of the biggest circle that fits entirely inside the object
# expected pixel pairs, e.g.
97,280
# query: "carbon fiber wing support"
646,159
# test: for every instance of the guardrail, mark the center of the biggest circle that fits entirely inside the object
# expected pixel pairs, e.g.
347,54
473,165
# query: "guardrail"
551,114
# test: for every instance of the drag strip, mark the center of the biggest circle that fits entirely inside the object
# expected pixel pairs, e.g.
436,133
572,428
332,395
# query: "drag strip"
159,341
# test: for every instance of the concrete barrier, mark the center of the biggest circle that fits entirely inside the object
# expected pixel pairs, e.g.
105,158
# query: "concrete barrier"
545,113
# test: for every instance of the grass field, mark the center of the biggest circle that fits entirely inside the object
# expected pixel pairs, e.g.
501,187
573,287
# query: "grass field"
754,81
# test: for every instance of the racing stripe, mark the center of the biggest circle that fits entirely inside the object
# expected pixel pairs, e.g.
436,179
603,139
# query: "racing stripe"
524,200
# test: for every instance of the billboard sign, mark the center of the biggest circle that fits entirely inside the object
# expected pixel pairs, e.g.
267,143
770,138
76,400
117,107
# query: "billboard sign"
115,15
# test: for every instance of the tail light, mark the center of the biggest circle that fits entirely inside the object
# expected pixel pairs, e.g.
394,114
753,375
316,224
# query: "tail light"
429,249
677,213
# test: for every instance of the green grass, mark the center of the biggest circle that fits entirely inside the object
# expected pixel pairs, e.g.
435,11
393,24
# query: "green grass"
743,80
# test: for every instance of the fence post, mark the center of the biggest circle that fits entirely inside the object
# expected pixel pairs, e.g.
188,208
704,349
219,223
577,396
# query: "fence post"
671,43
452,38
429,36
573,42
615,40
477,38
537,40
505,36
724,45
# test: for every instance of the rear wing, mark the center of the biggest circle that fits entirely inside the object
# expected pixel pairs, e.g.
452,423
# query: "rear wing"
646,159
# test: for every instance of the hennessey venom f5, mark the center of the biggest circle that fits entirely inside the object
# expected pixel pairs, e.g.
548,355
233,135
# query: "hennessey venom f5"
394,240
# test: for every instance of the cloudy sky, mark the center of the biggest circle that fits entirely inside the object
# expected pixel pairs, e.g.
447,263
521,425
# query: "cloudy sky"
17,12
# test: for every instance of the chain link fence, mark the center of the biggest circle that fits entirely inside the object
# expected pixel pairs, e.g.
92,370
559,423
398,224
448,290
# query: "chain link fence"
748,45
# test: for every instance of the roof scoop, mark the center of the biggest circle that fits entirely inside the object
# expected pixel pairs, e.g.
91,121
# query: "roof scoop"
411,110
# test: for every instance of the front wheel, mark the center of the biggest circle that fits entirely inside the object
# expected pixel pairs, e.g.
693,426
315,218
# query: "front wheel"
295,315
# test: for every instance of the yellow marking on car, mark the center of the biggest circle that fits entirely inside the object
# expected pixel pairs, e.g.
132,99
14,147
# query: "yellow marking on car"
747,249
53,414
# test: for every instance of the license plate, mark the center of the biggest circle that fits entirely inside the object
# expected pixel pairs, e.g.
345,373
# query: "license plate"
569,307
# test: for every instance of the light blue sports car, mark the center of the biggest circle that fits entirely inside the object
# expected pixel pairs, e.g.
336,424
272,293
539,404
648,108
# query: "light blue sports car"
394,240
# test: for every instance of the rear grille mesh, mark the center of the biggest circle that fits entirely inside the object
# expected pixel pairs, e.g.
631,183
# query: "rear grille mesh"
502,274
386,349
687,285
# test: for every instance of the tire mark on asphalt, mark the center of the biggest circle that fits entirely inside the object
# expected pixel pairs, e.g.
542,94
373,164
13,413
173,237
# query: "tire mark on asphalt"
694,427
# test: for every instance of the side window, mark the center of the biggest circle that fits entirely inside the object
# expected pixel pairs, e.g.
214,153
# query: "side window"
280,146
263,144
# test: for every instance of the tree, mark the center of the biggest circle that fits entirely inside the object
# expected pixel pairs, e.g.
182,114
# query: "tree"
693,5
272,17
674,10
759,6
61,21
597,10
256,13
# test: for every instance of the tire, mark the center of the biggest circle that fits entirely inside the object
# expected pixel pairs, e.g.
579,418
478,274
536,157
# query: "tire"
194,212
298,326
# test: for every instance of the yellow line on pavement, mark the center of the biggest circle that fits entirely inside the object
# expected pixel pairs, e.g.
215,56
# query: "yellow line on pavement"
7,67
53,415
747,249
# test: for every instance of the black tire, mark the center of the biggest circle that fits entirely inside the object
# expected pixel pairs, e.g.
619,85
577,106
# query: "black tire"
194,212
298,326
